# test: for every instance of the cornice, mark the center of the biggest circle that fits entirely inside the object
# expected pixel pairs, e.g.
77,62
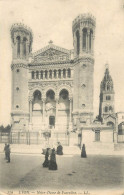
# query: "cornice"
21,65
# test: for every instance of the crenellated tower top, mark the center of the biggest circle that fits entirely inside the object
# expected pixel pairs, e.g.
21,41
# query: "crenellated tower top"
83,28
22,39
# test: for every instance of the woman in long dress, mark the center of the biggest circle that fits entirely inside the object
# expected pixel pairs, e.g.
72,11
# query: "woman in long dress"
52,163
83,152
46,162
59,149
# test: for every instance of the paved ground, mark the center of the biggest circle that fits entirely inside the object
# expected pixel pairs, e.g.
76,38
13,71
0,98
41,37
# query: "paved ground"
95,172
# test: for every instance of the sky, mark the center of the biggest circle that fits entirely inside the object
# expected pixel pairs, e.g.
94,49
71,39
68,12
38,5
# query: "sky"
52,20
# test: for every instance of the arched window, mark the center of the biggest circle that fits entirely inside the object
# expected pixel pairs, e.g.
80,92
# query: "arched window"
110,123
110,108
54,73
64,94
41,74
46,74
108,87
50,95
90,39
37,75
59,73
37,95
106,109
24,46
108,97
33,74
50,74
69,73
78,42
84,38
64,75
18,45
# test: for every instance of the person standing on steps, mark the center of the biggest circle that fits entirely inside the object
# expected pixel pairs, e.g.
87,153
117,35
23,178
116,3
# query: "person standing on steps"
83,152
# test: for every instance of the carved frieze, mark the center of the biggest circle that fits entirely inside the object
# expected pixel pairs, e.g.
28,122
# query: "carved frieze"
52,55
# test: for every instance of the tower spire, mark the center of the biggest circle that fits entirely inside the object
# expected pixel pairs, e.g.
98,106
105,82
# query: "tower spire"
106,65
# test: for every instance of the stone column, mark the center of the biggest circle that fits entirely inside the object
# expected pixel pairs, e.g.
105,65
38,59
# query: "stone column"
56,124
70,115
21,49
57,74
92,43
81,40
61,74
43,100
52,74
88,39
43,74
93,37
34,75
116,130
30,114
65,73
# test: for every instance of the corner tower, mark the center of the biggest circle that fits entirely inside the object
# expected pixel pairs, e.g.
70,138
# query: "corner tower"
83,28
106,96
21,38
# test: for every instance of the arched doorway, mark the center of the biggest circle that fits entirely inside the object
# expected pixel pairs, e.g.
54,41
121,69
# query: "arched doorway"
63,110
37,110
52,122
50,109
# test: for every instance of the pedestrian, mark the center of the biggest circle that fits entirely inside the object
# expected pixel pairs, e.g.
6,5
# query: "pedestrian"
5,147
59,149
8,153
52,163
83,152
46,162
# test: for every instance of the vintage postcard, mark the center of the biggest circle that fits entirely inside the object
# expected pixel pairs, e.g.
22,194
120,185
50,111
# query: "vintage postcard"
62,97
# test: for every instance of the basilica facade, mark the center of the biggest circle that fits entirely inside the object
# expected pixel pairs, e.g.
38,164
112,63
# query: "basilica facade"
52,89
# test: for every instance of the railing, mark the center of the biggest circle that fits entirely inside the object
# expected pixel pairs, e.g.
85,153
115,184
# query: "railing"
28,138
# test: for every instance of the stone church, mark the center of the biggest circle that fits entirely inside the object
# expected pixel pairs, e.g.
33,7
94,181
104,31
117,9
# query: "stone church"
52,89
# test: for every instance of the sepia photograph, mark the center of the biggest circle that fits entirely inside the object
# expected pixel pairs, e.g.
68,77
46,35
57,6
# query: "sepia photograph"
61,97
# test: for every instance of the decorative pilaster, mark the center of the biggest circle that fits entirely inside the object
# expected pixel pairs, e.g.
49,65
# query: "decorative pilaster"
56,124
30,113
43,100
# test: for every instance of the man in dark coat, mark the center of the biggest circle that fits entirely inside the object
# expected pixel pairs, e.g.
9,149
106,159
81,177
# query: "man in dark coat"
59,149
8,153
83,152
5,147
52,163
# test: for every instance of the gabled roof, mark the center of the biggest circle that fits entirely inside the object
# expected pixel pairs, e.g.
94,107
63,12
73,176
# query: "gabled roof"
51,53
51,45
110,116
